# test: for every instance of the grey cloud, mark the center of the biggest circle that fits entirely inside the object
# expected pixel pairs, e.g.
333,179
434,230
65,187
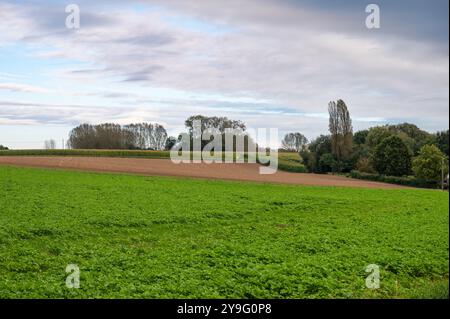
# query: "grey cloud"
298,54
148,39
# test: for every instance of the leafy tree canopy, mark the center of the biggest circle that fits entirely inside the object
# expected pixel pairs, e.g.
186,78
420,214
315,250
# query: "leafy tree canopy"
392,157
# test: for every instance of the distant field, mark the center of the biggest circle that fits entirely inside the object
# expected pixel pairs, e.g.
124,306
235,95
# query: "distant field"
161,237
286,161
95,153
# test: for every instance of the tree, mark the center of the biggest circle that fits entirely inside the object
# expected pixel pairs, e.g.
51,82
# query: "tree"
376,135
318,147
218,123
442,141
327,163
220,126
3,148
340,125
170,142
392,157
50,144
294,142
413,136
359,138
365,165
160,137
428,164
113,136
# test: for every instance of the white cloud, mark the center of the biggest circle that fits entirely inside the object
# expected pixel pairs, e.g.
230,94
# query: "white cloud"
17,87
295,57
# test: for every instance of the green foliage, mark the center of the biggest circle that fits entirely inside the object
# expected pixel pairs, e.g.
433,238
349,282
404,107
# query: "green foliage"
429,163
2,148
376,135
360,137
392,157
317,148
417,136
155,237
410,134
327,163
170,142
291,162
365,165
441,139
405,181
341,130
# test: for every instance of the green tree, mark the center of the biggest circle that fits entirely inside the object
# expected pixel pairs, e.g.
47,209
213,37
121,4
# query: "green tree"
392,157
428,164
376,135
359,138
311,157
413,136
3,148
170,142
327,163
365,165
340,126
442,141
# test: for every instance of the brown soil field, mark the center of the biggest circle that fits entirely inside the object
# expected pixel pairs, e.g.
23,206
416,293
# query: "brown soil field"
165,167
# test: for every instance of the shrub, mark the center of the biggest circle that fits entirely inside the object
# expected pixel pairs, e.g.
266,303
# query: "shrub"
291,162
405,181
365,165
327,163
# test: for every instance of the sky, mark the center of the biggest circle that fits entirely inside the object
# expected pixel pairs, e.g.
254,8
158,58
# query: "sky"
269,63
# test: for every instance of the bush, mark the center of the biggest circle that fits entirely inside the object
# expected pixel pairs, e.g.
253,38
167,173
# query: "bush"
327,163
405,181
365,165
291,162
392,157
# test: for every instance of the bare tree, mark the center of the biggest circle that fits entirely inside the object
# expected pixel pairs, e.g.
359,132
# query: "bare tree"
113,136
341,130
160,137
294,142
50,144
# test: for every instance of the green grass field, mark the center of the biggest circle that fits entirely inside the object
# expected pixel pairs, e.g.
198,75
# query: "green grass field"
156,237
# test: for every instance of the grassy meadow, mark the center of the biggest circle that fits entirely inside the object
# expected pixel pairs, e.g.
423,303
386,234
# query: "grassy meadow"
161,237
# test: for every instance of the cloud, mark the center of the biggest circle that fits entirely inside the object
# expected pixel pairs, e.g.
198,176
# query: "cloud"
17,87
296,55
61,114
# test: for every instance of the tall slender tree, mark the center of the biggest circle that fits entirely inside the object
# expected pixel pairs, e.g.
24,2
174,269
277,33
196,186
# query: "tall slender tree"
341,129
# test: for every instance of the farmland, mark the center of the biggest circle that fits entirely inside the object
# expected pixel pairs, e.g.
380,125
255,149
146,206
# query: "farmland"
287,161
164,237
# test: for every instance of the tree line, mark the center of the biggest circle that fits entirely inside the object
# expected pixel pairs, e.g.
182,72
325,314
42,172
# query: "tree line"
390,150
142,136
148,136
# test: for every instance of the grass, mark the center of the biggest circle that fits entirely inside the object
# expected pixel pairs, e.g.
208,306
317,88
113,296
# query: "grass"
157,237
286,161
290,162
